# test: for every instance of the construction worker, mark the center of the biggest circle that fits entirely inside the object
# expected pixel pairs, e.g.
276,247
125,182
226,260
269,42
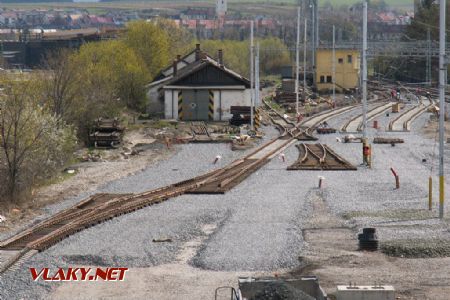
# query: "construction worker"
393,94
167,141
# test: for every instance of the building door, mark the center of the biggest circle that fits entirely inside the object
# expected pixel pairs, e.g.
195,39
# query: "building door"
202,105
195,105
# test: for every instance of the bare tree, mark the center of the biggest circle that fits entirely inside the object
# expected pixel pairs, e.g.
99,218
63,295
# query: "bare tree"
60,82
30,140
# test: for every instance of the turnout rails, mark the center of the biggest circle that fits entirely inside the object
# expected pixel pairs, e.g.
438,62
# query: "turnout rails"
102,207
320,157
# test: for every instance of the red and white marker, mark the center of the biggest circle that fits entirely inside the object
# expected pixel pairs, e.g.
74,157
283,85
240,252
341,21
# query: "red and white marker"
321,181
216,160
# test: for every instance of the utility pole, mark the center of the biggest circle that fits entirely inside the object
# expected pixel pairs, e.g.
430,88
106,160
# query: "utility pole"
252,78
334,64
313,41
428,66
297,61
257,82
316,17
364,70
305,39
367,160
442,85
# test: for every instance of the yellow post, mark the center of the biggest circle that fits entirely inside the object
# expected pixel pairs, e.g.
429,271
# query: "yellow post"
441,192
430,193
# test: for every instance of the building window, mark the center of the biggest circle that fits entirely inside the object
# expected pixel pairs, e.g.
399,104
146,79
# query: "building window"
349,59
341,60
329,79
322,79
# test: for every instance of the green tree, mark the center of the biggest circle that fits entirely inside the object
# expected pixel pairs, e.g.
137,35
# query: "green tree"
180,39
274,54
115,70
427,17
149,42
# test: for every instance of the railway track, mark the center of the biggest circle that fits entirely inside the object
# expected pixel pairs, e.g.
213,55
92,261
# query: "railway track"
103,207
320,157
356,123
406,87
287,128
311,124
403,122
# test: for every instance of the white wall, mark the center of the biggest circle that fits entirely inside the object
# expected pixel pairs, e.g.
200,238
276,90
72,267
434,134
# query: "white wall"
154,105
223,100
230,98
171,104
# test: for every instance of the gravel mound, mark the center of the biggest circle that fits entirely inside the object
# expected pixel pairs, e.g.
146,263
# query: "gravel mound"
417,248
280,291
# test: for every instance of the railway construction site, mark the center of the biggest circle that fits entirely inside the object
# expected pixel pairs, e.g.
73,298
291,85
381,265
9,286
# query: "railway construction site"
207,215
255,150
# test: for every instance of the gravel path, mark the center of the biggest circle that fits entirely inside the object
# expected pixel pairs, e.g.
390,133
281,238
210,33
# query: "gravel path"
258,225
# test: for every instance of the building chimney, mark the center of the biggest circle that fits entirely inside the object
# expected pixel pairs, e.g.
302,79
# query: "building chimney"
175,67
178,57
220,57
197,52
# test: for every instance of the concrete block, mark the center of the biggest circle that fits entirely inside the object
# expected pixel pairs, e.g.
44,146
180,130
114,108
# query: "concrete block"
365,292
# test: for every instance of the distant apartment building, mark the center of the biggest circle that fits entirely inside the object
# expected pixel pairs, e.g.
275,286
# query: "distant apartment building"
198,13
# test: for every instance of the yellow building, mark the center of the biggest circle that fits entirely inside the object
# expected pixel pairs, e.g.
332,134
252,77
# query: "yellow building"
347,69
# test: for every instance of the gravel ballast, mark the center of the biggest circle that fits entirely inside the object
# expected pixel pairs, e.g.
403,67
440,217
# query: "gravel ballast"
258,225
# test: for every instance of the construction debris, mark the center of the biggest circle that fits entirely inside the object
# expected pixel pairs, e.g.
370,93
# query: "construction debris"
325,130
380,140
242,142
352,139
304,288
162,240
106,133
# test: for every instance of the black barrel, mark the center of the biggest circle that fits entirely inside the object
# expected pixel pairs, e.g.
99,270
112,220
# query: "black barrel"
368,240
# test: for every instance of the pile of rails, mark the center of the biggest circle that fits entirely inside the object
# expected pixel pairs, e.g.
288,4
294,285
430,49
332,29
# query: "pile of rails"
199,128
106,133
381,140
324,128
241,115
285,97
